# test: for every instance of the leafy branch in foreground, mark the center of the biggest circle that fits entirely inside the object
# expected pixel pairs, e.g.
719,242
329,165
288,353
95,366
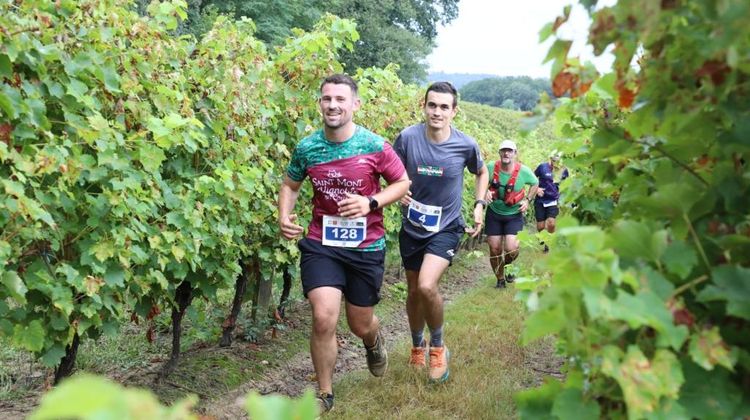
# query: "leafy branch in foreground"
650,296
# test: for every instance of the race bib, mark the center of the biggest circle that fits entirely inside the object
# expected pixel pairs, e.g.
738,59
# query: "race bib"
550,204
344,232
428,217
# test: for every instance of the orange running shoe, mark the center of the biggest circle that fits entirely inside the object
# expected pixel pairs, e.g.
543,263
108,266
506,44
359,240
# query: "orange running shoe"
418,358
439,371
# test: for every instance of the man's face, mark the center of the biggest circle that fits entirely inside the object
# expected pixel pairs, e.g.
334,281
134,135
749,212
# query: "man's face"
439,110
337,105
507,156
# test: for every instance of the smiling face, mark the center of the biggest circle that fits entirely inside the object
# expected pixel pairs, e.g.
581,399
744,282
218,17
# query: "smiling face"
507,156
439,110
337,105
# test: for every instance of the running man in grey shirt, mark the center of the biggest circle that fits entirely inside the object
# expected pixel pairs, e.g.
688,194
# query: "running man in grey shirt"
435,155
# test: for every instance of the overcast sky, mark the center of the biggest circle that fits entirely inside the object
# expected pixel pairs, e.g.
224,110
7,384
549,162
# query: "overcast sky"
502,37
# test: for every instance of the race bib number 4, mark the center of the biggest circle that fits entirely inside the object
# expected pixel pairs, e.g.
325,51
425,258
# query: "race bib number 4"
343,232
428,217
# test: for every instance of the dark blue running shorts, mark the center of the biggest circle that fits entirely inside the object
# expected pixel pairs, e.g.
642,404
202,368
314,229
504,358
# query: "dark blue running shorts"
358,274
499,225
543,213
444,244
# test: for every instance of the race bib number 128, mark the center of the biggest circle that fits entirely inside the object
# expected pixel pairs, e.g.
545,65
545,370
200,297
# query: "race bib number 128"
343,232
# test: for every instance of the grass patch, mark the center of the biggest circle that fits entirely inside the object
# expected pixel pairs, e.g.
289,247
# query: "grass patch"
488,365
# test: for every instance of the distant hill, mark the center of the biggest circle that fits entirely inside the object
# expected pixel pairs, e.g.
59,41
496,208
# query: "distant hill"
512,92
457,79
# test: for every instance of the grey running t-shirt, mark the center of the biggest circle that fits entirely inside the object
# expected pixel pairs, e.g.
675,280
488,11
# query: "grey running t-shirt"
436,172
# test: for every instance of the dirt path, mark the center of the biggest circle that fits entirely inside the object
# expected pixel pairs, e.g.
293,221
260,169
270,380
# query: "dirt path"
200,371
294,376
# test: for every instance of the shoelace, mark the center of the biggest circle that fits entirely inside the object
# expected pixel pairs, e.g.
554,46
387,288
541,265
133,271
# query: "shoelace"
438,360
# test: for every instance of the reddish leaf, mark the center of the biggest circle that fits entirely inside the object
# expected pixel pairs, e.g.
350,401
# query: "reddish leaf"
604,22
627,96
151,334
562,83
683,317
715,69
581,89
5,130
153,312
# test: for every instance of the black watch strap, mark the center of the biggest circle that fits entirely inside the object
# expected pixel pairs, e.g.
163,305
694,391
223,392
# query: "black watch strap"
482,202
373,203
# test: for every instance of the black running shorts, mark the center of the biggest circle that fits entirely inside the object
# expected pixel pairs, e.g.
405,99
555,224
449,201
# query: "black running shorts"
443,244
358,274
499,225
542,213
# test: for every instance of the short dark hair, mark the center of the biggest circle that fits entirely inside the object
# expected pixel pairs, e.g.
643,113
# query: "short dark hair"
443,87
340,79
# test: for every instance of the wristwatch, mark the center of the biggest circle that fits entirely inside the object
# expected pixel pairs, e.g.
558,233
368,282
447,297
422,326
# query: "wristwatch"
373,203
482,202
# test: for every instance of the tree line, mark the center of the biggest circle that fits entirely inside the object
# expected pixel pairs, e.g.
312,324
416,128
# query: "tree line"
511,92
390,31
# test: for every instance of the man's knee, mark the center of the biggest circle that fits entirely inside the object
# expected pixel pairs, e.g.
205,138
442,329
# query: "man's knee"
324,324
361,327
325,318
551,225
540,226
426,291
510,244
496,245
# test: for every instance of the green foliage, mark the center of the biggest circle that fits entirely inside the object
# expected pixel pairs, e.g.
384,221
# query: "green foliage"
394,31
72,400
391,32
515,92
274,19
278,407
649,286
134,160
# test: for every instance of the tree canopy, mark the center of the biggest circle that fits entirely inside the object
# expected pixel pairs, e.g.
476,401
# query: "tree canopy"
513,92
391,31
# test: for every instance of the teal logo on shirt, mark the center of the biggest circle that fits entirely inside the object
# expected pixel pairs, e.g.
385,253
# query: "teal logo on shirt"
429,170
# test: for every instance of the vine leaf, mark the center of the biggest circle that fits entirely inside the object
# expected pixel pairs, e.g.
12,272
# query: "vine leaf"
707,349
643,382
15,286
732,284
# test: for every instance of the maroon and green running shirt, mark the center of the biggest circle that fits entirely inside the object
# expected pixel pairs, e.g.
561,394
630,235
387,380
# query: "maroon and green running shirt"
354,166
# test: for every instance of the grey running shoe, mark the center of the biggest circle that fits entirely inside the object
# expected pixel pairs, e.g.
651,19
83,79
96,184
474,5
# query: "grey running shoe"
325,402
377,357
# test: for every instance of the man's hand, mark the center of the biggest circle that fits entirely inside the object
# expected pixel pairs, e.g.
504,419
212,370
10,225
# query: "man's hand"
478,221
354,206
406,200
524,205
539,192
289,229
